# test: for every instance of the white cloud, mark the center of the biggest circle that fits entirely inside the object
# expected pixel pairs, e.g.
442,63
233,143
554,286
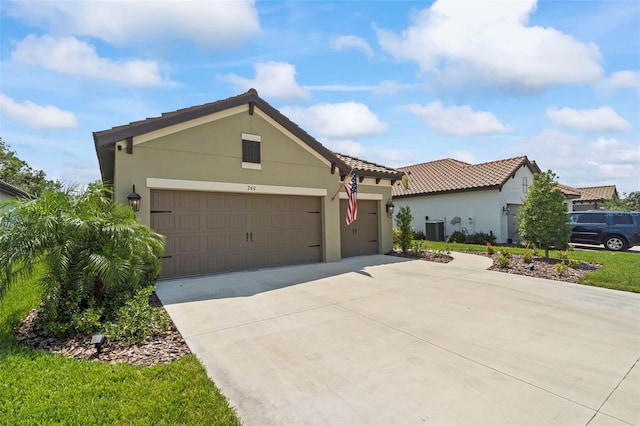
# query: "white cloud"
390,87
340,88
590,120
456,120
340,120
275,80
464,156
621,80
220,24
39,116
352,42
345,146
604,161
69,55
612,151
492,42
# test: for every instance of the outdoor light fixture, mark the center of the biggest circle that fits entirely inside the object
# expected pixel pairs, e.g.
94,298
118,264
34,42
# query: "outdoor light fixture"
506,210
531,266
98,340
134,200
390,208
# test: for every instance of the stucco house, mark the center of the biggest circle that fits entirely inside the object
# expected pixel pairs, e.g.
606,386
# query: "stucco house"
10,192
235,185
449,195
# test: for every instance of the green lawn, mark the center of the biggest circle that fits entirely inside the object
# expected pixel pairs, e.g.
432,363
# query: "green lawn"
620,270
39,388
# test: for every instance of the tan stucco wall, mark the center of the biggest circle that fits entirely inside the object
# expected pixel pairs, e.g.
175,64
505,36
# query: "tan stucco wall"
212,152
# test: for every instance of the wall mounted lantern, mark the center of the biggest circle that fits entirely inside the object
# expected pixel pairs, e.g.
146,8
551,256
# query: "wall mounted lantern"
506,210
390,208
134,200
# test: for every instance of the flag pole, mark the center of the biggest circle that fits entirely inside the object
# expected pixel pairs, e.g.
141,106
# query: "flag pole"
342,184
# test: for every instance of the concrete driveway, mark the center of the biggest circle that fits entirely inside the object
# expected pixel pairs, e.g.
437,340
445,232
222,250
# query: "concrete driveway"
387,341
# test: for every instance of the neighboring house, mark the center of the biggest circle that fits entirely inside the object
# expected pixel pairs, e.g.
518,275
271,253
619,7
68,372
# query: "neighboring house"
10,192
450,195
236,185
594,197
570,195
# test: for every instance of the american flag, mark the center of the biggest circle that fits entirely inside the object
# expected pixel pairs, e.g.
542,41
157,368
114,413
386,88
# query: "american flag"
352,193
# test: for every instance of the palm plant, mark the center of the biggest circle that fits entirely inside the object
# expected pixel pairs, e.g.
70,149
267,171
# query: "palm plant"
96,254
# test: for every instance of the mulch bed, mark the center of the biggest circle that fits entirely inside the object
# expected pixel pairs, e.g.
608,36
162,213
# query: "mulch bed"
542,268
161,348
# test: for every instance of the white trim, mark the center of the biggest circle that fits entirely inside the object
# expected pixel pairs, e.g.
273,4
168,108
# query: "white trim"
146,137
362,196
252,166
250,188
250,137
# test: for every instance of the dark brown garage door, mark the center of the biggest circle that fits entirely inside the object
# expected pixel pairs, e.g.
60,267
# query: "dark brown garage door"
218,232
361,237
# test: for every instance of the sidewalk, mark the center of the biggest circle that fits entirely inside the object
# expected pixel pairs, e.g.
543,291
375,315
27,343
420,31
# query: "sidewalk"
465,260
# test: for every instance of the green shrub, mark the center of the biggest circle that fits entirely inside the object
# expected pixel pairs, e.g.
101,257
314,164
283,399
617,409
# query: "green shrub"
457,237
490,249
504,261
403,221
527,257
574,263
561,268
396,237
137,320
481,238
505,253
419,235
563,254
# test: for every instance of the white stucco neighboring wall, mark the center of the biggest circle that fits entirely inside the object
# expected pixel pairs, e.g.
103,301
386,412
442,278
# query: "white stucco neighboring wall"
479,211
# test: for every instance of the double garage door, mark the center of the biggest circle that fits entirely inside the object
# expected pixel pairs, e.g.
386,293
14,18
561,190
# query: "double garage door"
211,232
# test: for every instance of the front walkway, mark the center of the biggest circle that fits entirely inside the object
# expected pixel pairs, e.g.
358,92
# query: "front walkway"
390,341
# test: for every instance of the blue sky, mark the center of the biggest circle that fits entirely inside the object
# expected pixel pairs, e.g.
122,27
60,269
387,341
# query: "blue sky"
394,82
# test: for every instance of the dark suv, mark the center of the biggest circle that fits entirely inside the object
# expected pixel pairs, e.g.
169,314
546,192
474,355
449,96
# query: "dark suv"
617,230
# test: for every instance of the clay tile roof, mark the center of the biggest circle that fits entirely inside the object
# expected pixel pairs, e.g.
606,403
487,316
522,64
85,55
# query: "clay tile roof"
449,175
365,166
569,191
597,193
7,188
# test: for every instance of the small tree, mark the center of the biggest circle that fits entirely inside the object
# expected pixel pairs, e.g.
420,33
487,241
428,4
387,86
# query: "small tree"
403,222
543,218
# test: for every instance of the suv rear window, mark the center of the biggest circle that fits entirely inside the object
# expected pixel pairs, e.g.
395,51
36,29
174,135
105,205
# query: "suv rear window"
592,218
622,219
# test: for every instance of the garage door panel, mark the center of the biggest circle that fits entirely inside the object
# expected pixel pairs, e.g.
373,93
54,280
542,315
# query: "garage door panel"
189,222
189,244
190,201
238,221
219,232
216,222
216,242
163,223
163,200
238,240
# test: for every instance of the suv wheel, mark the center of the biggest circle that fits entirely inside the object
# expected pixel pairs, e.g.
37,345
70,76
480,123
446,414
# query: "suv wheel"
615,243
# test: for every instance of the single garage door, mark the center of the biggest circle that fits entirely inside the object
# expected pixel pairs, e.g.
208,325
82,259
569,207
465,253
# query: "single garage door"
211,232
361,237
